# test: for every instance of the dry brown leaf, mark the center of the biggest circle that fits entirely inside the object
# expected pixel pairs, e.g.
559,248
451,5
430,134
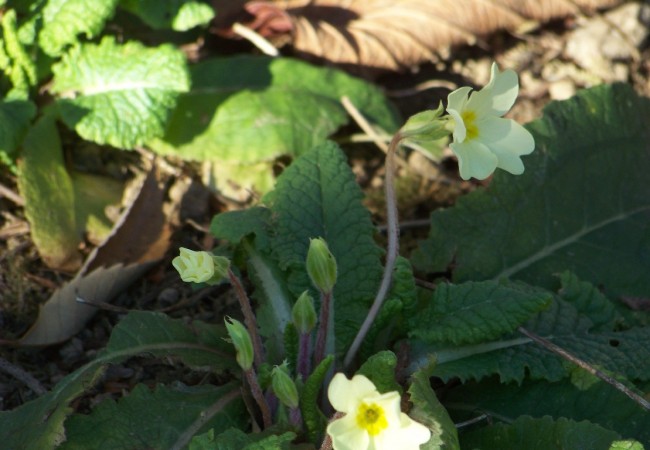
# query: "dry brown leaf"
399,34
139,239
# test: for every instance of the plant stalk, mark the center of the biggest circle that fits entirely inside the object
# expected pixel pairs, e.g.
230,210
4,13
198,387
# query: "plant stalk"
323,327
304,342
392,230
249,318
258,395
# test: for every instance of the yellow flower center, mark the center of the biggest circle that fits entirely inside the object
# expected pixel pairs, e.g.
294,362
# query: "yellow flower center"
469,119
371,418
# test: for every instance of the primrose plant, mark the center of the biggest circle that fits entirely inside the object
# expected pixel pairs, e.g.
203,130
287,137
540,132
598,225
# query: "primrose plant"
365,416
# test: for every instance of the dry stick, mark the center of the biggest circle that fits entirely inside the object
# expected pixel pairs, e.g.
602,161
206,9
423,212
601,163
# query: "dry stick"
586,366
23,376
249,318
256,39
258,395
391,251
11,195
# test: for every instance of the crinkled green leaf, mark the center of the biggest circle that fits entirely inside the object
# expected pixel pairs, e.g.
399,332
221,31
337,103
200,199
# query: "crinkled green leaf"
471,312
428,410
380,369
15,117
64,20
314,419
179,15
626,445
583,203
119,94
540,434
250,109
236,225
317,196
49,196
234,439
600,404
162,418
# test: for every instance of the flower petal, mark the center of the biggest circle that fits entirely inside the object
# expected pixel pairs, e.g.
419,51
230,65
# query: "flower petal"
345,395
409,435
458,99
460,130
474,159
346,434
496,97
507,140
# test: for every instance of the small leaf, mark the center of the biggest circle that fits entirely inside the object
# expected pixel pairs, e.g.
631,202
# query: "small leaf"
49,196
470,313
179,15
119,94
583,202
540,434
236,225
380,369
626,445
428,410
15,117
314,419
161,418
252,109
64,20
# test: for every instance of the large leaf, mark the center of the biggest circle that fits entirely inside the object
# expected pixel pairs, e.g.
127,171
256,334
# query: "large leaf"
249,109
540,434
164,418
64,20
234,439
476,312
179,15
600,404
583,203
119,94
15,116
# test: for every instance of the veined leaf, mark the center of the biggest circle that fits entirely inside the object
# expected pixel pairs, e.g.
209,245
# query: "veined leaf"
600,404
583,203
380,369
119,94
250,109
317,196
179,15
64,20
540,434
162,418
15,117
470,313
234,439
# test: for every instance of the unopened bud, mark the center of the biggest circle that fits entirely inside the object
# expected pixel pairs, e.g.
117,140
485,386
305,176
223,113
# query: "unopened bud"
242,342
425,126
201,267
321,265
284,387
303,313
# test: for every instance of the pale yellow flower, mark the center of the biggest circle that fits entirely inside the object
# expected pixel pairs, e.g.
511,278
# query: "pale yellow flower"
372,421
199,267
483,139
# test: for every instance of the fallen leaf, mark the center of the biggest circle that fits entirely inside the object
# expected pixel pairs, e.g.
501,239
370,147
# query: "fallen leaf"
138,240
398,34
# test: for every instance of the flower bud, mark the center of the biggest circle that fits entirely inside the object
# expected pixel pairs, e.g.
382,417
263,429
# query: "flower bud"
303,313
284,387
321,265
201,267
242,342
425,126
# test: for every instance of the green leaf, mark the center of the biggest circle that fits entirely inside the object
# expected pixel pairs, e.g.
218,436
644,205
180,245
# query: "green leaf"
179,15
64,20
428,410
626,445
92,194
166,417
119,94
49,196
236,225
234,439
380,369
583,202
540,434
470,313
317,196
15,118
601,404
250,109
314,419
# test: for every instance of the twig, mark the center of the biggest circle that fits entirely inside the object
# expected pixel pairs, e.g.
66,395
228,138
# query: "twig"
23,376
418,88
102,305
391,251
363,123
256,39
586,366
249,318
11,195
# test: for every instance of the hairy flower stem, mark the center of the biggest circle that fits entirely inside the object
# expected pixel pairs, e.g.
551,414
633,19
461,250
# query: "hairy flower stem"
295,418
249,318
323,327
258,395
304,341
392,231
